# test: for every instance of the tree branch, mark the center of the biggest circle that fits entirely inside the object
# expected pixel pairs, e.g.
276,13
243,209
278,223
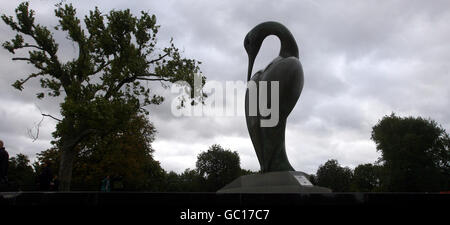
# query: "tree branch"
100,68
18,84
70,144
111,90
22,58
32,46
38,126
133,78
156,60
31,76
51,117
154,79
31,61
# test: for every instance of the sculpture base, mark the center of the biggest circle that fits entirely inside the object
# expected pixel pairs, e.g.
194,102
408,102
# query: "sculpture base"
273,182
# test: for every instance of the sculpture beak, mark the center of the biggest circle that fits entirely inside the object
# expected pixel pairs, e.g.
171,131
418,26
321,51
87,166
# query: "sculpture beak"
251,61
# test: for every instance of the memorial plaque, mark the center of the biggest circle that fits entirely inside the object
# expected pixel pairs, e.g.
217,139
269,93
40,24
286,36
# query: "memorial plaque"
303,180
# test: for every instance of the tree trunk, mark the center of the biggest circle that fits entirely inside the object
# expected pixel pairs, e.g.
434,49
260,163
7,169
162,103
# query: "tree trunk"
65,168
69,153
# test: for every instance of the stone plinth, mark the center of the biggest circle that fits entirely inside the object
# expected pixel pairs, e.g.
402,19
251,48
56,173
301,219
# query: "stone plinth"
273,182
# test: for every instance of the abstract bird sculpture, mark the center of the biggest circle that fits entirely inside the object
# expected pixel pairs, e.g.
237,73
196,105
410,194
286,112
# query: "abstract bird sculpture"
269,142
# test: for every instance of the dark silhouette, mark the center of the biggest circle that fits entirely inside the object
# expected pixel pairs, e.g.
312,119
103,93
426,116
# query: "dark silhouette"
106,185
117,183
367,178
4,164
117,41
334,176
269,142
54,184
414,153
218,166
21,175
45,178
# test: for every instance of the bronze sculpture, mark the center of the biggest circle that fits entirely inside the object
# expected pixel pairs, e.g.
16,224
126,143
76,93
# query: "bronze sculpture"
286,73
269,142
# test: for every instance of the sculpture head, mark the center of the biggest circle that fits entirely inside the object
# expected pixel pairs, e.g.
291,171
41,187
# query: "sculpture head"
253,41
252,44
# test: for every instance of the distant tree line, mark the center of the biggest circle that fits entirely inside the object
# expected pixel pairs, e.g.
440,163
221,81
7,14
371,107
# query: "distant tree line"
415,157
215,168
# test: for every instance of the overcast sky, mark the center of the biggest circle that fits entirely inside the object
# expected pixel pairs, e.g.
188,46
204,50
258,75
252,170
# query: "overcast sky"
361,60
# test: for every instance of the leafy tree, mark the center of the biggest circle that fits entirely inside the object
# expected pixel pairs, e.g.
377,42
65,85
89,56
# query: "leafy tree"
172,182
218,166
333,176
126,156
313,179
192,181
20,172
247,172
102,86
366,178
50,156
415,153
155,176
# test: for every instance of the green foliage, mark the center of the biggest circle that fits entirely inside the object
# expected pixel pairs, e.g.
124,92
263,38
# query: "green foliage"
125,155
218,166
215,168
247,172
127,159
118,45
367,178
20,171
415,153
313,179
188,181
172,182
50,157
333,176
192,181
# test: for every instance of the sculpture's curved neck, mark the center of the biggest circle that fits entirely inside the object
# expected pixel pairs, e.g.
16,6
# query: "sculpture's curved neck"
288,45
